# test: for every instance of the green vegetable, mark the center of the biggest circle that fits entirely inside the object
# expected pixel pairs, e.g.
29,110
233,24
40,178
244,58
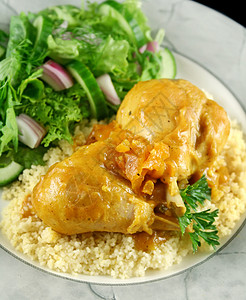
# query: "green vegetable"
151,64
44,28
2,52
21,37
86,79
16,78
28,157
63,51
7,70
103,38
31,87
4,161
62,13
111,57
8,125
22,54
10,173
202,222
101,54
3,38
3,43
168,66
126,20
57,112
20,30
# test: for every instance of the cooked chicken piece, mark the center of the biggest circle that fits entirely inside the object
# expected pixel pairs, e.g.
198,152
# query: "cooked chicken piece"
177,114
185,130
165,131
80,195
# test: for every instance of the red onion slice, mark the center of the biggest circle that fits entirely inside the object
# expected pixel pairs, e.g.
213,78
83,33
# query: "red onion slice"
152,46
56,76
105,83
31,133
142,49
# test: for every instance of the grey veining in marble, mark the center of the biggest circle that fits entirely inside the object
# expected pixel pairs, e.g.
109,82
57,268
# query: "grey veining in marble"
218,44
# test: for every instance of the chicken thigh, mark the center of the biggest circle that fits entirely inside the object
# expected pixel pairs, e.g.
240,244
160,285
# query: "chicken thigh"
178,114
165,132
185,129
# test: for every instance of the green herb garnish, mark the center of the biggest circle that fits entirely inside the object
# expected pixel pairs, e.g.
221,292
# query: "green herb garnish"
201,222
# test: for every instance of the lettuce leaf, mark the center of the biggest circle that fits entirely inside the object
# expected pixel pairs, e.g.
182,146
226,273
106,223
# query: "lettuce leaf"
111,57
58,112
3,38
8,125
28,157
62,13
20,30
31,87
150,63
102,54
3,43
63,51
21,55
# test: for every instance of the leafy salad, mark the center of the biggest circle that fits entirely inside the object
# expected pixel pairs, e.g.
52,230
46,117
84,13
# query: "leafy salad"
64,64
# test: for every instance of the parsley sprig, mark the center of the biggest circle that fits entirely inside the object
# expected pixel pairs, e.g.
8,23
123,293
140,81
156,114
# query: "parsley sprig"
202,222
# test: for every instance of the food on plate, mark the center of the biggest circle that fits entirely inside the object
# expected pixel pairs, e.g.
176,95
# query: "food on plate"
65,64
110,200
116,167
166,131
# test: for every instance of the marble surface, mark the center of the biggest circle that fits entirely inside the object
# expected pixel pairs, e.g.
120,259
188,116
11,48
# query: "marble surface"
218,44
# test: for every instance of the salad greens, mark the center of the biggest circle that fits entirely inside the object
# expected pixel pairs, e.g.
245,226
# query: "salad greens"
109,38
3,42
58,112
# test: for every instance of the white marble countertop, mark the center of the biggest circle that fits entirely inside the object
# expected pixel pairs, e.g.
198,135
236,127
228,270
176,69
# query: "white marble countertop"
218,44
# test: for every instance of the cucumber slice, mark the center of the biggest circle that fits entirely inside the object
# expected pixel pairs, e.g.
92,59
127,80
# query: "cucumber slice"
85,78
168,66
10,173
44,29
128,23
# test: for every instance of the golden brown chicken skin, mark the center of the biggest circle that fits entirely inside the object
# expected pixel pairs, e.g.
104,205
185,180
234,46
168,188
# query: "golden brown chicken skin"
178,114
165,131
81,195
185,129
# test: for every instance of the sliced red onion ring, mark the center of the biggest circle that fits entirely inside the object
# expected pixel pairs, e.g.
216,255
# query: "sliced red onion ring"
152,46
105,83
31,133
56,76
142,49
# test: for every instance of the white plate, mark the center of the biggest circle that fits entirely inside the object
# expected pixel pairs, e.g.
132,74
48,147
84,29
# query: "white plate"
199,76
